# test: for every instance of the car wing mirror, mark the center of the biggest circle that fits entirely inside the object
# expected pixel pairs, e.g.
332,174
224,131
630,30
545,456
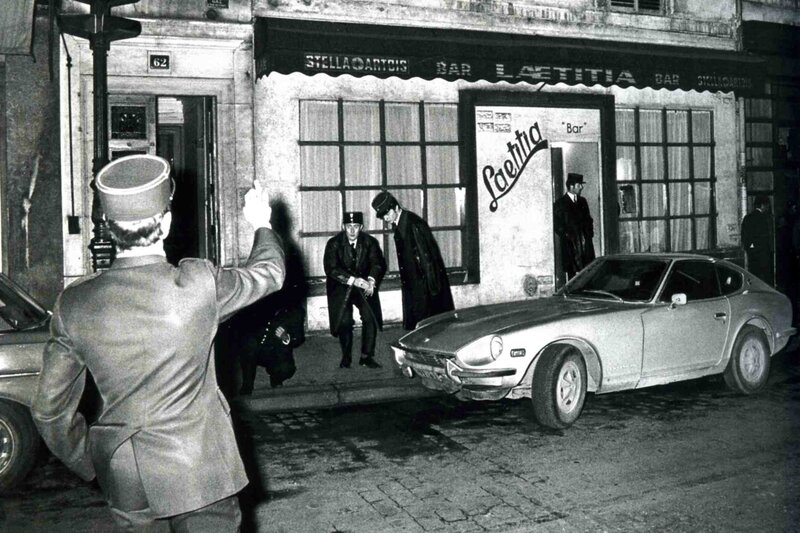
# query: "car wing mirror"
677,299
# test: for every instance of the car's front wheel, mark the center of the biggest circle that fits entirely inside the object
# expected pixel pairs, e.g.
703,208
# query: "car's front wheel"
748,369
19,444
558,389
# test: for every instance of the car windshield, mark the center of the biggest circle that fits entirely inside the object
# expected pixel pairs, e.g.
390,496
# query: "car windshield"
18,310
620,279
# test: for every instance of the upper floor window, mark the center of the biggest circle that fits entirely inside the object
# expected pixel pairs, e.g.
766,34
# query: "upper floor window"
639,6
351,150
665,179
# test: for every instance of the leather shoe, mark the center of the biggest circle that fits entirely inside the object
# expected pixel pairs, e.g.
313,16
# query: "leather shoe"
369,362
345,363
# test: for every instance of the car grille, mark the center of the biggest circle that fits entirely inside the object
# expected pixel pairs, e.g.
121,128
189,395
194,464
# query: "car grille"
426,358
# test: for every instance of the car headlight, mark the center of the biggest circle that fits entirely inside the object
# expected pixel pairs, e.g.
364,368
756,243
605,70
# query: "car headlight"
496,347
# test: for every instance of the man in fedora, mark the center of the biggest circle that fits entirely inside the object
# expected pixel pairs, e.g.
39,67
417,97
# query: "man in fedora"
354,267
574,227
162,448
423,278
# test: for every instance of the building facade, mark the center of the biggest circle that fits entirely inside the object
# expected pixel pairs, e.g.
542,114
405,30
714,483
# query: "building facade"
471,112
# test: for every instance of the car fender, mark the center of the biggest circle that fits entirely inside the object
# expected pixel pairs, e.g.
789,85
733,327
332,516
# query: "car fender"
761,323
594,369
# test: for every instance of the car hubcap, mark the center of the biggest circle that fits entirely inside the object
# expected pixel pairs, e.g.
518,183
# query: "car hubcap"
752,360
6,446
569,387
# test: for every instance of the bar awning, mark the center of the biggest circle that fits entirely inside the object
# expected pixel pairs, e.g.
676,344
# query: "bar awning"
312,47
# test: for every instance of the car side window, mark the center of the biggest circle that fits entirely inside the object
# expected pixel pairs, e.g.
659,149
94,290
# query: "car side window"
730,280
696,279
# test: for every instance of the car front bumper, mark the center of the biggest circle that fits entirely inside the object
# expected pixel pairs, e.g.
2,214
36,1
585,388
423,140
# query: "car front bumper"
442,372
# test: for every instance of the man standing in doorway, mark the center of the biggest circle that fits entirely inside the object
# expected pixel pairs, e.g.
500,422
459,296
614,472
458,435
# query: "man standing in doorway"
163,447
423,277
354,267
574,226
757,239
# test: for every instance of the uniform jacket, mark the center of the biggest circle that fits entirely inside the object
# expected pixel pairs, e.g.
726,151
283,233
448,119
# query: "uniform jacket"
757,244
423,278
574,225
144,331
340,264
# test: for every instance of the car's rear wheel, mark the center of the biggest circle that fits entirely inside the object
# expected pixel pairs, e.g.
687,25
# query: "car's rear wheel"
558,389
748,369
19,444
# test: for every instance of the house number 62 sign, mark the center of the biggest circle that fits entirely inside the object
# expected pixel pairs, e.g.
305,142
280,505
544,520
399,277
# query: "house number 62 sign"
159,62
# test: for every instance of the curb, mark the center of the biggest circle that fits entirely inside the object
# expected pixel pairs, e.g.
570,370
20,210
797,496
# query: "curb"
334,395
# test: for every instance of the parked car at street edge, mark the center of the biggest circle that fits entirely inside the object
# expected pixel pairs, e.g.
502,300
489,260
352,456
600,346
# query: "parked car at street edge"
23,334
624,322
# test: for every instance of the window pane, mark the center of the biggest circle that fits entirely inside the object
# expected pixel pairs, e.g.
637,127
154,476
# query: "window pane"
759,181
678,161
701,127
319,165
626,163
410,199
313,253
445,207
650,125
652,163
759,133
681,235
360,201
677,126
442,164
759,157
654,236
628,201
702,163
680,199
362,121
758,108
403,165
450,245
320,211
702,197
402,122
626,131
318,121
629,237
702,228
654,200
441,122
362,165
390,254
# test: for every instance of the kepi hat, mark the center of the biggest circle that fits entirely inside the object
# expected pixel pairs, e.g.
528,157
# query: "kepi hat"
353,217
573,178
383,202
134,187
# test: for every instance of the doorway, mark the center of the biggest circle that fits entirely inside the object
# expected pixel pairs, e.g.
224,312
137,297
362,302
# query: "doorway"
181,129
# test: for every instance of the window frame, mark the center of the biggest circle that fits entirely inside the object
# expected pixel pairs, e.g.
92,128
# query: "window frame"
665,144
458,274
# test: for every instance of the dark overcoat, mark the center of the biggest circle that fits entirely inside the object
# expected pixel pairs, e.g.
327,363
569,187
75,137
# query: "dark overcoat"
340,264
144,330
757,244
423,277
575,228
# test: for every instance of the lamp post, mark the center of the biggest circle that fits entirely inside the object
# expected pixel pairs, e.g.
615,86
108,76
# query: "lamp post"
100,28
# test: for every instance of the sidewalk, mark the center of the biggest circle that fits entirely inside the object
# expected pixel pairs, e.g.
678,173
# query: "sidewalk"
319,382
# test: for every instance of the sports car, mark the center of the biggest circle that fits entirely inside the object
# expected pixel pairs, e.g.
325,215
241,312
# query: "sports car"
23,333
624,322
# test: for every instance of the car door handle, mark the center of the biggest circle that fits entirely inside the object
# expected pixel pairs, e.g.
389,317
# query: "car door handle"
720,316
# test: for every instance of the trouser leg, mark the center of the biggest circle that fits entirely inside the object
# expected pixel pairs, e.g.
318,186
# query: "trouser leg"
223,516
369,330
345,334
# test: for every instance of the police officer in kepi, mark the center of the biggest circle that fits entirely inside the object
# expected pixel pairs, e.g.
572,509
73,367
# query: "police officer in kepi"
354,266
163,447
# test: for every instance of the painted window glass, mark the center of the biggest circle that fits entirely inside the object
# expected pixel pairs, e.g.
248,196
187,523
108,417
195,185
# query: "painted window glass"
665,179
351,150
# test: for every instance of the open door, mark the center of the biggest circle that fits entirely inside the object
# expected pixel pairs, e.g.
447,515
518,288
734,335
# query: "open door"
557,164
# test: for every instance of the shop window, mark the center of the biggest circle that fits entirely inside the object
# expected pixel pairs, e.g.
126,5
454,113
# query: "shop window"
351,150
665,178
